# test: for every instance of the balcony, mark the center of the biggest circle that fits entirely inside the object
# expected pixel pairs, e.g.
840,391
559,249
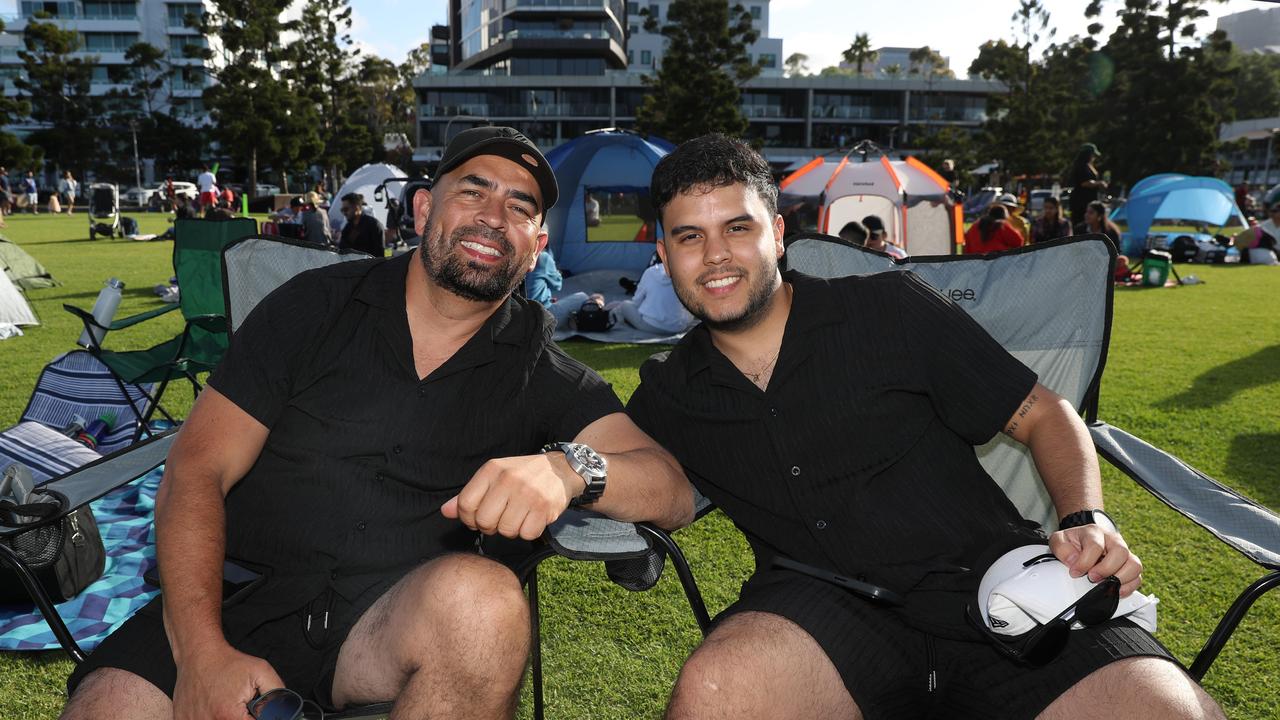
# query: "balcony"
555,35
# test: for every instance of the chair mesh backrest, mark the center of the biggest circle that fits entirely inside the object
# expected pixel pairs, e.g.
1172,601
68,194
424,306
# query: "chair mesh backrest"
254,266
77,383
197,261
1049,305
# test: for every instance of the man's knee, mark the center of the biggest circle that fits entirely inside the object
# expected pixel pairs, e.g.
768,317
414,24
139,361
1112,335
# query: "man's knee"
759,665
466,595
113,693
1145,687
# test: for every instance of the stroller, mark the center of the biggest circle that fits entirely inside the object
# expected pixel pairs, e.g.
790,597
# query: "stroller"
104,211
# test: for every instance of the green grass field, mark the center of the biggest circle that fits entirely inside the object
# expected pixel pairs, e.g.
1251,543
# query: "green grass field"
1194,369
615,228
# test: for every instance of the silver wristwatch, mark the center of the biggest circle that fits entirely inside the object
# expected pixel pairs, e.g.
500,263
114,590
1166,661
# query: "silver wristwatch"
588,463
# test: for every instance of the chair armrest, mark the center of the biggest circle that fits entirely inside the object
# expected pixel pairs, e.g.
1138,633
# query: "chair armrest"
90,322
587,535
1250,528
135,319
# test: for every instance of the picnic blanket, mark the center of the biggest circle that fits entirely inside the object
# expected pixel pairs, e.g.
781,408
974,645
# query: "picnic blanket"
125,520
605,282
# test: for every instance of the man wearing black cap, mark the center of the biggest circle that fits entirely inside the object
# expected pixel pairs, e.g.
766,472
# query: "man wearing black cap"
381,438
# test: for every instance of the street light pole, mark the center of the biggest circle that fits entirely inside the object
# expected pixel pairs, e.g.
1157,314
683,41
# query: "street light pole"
1266,169
137,168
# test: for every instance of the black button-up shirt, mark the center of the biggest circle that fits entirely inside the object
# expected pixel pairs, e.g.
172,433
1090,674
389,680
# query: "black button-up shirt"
859,456
362,453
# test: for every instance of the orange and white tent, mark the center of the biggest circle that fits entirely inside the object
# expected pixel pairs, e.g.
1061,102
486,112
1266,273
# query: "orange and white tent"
914,202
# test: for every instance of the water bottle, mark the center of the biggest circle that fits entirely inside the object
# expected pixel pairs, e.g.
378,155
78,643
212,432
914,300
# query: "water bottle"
75,427
95,431
104,310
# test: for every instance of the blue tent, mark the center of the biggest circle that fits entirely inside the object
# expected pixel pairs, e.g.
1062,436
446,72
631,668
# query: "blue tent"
607,164
1174,199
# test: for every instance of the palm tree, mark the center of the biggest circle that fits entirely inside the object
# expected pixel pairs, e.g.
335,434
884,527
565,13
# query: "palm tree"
860,52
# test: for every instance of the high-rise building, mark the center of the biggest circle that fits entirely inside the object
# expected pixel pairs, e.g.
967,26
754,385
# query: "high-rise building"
1255,30
645,49
107,28
556,69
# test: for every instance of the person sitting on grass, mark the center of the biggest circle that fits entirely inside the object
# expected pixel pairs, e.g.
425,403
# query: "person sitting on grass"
992,233
654,309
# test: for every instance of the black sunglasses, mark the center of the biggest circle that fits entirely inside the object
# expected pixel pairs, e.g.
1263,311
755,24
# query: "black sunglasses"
280,704
1038,647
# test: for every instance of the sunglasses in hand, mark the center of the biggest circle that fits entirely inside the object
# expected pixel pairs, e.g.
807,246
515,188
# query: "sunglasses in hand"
1040,646
280,704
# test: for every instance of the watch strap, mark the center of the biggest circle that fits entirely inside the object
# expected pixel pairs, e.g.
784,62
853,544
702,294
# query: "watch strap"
594,486
1087,517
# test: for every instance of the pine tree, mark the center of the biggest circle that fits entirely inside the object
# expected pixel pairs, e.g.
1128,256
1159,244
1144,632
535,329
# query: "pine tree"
696,90
56,83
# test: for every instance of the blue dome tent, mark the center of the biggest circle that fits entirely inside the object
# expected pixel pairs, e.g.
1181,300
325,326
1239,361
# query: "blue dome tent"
1173,199
613,167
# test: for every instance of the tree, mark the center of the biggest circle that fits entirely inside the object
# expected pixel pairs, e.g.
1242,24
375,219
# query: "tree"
1171,91
14,152
696,89
892,71
387,97
1257,85
56,81
257,116
928,62
797,65
860,52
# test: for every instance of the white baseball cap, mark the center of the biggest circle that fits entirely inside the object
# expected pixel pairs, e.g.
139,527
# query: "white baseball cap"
1028,586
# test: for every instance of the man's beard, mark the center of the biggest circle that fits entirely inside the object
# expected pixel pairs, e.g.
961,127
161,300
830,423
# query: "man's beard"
468,279
758,294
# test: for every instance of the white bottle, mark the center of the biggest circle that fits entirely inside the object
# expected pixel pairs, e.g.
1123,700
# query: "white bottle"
104,310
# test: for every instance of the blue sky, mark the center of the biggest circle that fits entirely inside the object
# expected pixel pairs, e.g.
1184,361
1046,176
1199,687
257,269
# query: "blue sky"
819,28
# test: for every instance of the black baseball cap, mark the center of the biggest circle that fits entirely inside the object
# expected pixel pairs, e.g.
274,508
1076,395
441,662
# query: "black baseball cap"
505,142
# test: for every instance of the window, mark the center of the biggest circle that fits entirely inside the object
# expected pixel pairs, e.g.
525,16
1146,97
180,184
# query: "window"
646,58
631,57
110,10
178,14
755,12
768,60
653,11
109,42
55,9
185,46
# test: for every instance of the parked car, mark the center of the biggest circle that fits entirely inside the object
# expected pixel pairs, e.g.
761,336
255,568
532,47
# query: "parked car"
977,203
142,196
266,189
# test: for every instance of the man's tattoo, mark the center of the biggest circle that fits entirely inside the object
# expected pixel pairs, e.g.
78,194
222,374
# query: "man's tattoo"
1022,413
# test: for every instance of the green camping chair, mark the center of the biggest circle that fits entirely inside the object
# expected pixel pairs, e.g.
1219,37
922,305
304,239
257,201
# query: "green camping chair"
197,263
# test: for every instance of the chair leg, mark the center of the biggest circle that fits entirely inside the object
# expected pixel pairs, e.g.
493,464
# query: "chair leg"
683,572
9,558
1228,624
536,626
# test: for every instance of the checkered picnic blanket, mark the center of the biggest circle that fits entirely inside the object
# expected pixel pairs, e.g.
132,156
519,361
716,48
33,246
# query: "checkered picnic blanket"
125,520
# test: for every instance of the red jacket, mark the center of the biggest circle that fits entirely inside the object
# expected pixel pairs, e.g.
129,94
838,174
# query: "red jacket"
1005,237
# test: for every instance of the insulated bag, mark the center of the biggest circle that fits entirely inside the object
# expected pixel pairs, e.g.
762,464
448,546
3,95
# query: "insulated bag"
65,554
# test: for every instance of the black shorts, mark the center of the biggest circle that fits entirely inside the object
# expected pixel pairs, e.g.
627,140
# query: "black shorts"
302,651
894,670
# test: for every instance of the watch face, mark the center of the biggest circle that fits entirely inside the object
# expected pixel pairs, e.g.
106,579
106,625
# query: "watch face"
589,459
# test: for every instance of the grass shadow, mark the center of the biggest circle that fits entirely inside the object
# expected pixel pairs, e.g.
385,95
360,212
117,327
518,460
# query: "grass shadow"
1252,458
1217,385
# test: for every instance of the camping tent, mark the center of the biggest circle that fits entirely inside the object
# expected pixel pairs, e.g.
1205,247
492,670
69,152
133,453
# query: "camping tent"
608,170
13,306
23,269
914,202
365,181
1173,199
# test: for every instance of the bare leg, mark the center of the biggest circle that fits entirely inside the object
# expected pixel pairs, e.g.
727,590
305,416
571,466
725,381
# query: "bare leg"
758,665
109,693
1143,687
449,640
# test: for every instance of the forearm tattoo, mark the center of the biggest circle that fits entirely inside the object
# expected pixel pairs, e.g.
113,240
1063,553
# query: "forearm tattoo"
1022,414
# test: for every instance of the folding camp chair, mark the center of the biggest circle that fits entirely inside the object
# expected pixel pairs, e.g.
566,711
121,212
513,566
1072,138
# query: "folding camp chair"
77,383
634,553
197,249
1050,306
